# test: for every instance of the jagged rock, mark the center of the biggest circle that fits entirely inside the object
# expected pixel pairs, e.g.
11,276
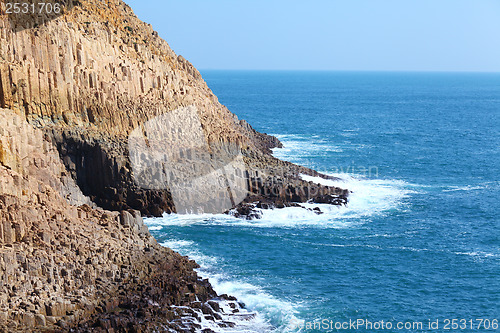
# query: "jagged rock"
64,265
246,211
331,199
317,210
40,320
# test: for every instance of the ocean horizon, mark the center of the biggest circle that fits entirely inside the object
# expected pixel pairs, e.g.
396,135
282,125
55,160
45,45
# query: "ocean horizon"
361,71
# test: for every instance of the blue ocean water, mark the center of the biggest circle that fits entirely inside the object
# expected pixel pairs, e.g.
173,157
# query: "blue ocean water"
420,239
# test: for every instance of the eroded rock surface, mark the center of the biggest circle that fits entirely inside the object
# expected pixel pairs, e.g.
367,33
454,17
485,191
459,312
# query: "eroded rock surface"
64,265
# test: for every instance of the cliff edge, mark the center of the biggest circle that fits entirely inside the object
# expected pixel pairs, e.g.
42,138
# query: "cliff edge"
72,266
92,76
100,124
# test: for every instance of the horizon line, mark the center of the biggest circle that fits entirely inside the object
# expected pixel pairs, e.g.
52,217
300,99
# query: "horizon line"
351,70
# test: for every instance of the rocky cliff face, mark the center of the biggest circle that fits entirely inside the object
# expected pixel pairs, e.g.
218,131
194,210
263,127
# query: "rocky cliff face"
73,91
100,68
65,265
92,76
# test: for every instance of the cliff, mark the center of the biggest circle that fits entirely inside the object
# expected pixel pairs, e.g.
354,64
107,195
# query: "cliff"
100,123
93,75
100,68
62,265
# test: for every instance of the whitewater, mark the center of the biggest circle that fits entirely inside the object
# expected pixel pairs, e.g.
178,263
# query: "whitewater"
419,237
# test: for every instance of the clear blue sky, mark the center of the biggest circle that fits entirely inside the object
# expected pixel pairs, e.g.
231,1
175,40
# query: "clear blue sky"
415,35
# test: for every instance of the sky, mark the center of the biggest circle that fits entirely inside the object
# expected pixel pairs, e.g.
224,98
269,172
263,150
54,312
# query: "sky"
373,35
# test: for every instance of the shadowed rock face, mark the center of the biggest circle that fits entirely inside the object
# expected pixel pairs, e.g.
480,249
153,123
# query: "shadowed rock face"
102,170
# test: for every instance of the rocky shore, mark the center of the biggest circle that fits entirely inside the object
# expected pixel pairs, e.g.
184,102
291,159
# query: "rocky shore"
74,252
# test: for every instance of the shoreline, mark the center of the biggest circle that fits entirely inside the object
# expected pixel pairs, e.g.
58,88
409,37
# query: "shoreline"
74,251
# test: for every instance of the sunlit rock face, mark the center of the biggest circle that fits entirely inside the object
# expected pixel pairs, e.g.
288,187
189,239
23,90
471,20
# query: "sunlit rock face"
100,123
92,76
95,75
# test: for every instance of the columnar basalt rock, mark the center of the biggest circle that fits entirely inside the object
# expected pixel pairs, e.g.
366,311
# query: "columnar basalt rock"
92,76
101,68
64,265
72,91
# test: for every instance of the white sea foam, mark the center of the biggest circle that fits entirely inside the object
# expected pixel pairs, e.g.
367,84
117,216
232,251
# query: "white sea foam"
155,228
175,244
479,254
464,188
297,148
269,313
482,186
368,198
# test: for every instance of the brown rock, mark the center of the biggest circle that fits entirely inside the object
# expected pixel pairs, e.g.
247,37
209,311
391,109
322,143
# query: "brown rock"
40,320
71,92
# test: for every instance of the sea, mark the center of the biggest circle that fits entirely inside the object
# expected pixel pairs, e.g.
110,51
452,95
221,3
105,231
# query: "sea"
417,249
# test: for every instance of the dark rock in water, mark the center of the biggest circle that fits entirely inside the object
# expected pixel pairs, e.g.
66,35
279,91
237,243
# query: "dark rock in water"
228,297
246,211
207,309
227,324
265,205
214,305
284,190
317,210
337,200
245,316
253,209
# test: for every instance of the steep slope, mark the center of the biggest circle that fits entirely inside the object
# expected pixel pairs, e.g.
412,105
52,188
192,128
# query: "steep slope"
97,111
66,265
92,76
101,68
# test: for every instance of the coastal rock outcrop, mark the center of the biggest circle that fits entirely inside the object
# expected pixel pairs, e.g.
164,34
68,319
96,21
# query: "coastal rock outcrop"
74,252
92,76
64,265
